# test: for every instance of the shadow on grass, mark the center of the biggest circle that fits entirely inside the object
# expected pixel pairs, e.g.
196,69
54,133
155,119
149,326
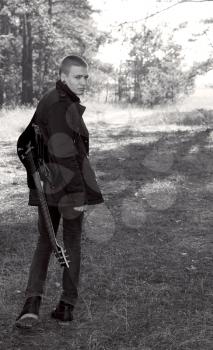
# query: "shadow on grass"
150,285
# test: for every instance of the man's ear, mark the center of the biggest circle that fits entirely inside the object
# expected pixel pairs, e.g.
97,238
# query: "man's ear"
63,78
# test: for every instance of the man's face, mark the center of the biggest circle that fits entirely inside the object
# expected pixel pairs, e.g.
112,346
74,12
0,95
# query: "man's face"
76,79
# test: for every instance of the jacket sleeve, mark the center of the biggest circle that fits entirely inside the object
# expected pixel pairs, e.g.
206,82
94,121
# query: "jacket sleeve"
63,151
22,142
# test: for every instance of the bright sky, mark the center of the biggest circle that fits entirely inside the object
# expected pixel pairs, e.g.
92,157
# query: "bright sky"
116,11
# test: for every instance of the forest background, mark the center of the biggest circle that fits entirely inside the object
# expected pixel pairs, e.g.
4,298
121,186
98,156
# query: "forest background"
35,36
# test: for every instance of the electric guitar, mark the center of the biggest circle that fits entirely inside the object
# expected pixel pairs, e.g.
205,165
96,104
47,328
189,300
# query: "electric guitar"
59,251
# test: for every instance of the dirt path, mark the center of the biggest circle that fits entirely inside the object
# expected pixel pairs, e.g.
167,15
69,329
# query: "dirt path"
146,278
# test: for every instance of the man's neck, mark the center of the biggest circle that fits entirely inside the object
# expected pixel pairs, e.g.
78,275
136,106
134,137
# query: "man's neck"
66,89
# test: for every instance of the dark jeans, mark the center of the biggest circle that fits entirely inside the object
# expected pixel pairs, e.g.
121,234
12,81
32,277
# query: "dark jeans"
72,229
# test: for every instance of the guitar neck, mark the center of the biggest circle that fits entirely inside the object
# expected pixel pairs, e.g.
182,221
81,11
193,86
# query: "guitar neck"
45,210
43,202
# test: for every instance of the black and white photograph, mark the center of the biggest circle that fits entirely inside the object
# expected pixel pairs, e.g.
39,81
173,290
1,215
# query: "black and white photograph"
106,174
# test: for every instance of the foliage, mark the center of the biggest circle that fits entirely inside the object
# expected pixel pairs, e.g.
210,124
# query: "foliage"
153,74
35,36
102,81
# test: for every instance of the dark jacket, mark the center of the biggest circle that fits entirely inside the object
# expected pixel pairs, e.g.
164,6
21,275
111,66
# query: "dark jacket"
66,150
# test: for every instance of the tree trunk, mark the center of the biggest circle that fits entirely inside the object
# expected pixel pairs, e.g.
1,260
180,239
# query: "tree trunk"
4,29
27,69
107,92
1,92
50,8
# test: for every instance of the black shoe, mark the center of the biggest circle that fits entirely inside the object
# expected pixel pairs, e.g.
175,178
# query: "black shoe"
63,312
29,314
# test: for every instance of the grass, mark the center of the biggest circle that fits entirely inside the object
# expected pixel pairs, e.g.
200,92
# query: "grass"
146,276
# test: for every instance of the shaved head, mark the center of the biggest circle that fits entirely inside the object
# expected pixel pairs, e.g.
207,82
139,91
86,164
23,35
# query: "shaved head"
69,61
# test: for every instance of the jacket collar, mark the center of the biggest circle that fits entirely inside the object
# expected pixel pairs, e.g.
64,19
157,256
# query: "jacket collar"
65,90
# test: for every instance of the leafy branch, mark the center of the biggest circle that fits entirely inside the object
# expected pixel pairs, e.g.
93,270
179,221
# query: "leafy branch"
160,11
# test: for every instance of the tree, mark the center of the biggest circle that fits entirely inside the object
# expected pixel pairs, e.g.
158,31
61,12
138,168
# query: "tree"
153,73
102,81
27,58
35,35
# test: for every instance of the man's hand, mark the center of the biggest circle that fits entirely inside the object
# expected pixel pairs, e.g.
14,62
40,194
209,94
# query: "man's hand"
81,208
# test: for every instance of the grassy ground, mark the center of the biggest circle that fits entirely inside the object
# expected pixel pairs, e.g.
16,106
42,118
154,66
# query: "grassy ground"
146,277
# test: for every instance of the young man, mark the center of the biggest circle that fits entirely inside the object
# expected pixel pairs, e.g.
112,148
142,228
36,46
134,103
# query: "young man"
73,186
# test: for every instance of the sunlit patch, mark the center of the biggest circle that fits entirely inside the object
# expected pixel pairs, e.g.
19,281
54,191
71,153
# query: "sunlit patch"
159,159
160,195
117,118
210,135
99,224
116,145
193,149
133,212
61,145
209,187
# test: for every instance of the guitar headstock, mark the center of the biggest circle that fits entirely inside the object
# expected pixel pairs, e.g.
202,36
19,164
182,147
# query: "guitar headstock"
62,257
